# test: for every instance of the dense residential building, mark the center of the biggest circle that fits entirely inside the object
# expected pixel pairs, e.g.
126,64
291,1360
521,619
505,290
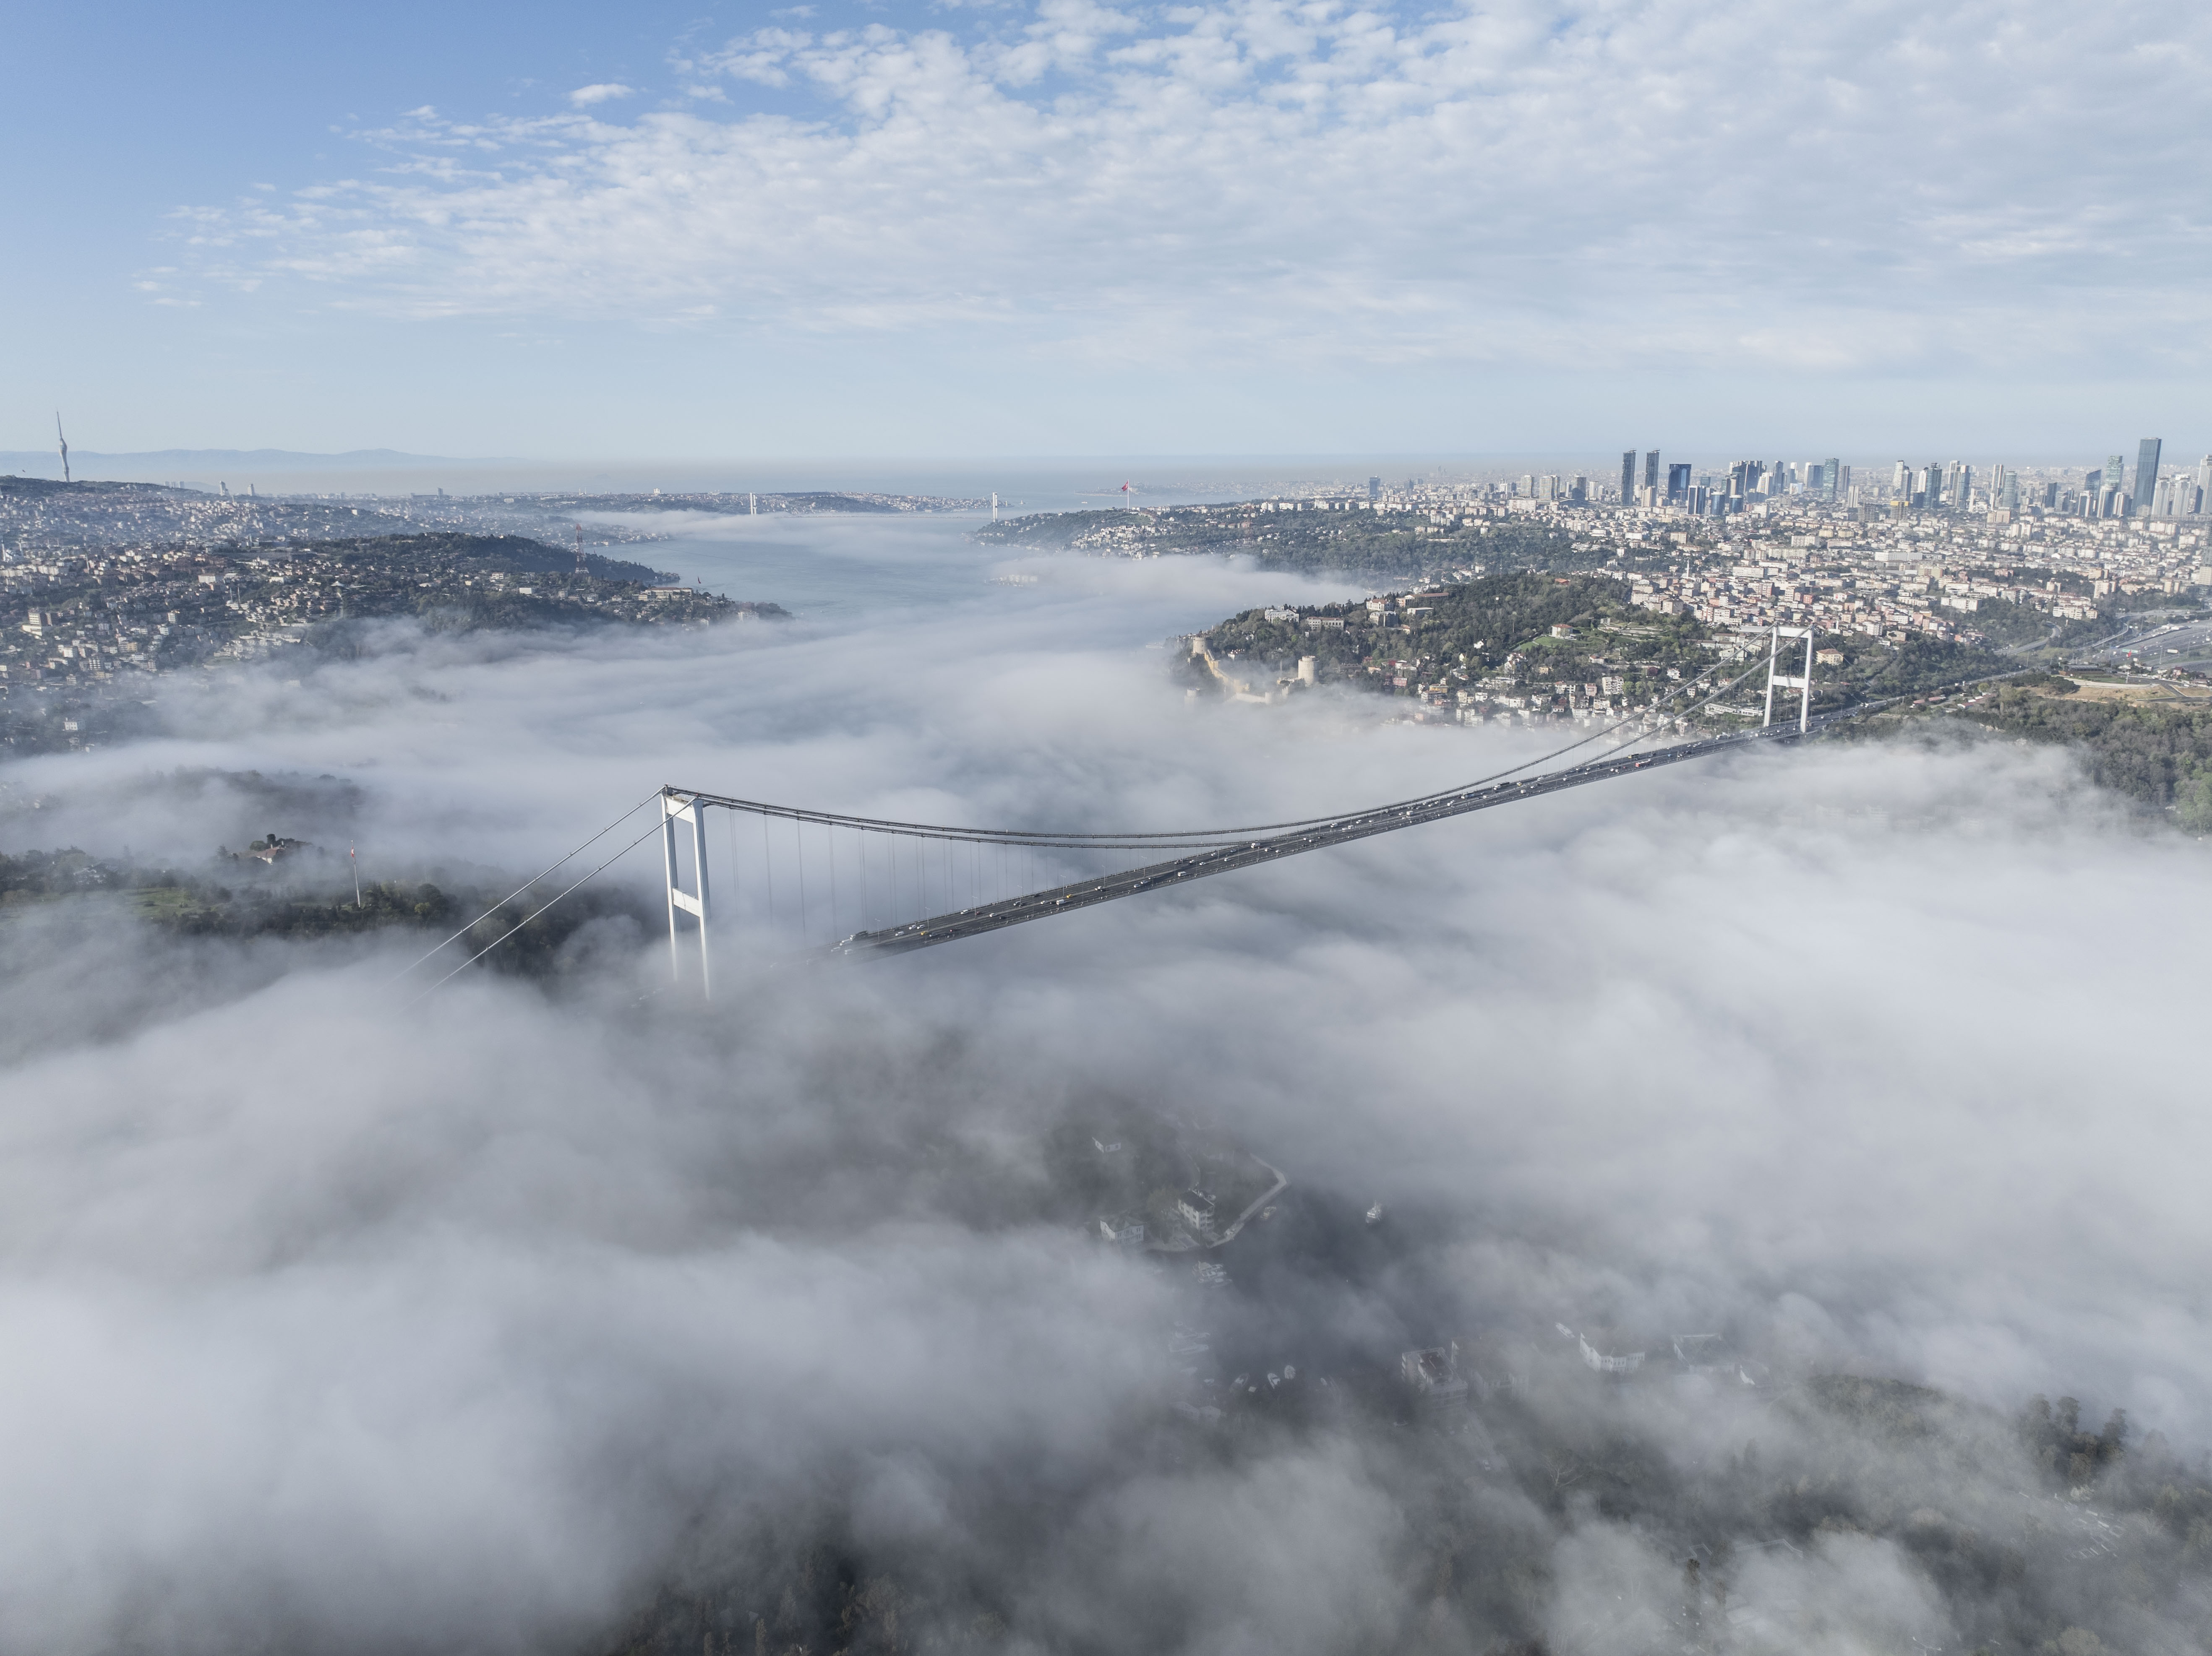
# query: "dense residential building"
1931,553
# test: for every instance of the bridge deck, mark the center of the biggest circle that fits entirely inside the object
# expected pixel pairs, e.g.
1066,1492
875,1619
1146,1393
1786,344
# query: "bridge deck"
1084,894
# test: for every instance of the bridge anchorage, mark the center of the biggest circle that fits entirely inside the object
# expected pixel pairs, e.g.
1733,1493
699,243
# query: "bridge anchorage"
960,881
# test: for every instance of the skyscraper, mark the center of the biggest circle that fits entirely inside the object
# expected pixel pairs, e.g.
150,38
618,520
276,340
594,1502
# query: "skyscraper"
1652,472
2147,472
2115,478
1678,481
1832,476
1374,489
1628,478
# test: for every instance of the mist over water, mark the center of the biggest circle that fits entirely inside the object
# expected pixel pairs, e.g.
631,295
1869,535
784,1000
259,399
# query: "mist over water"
841,571
340,1322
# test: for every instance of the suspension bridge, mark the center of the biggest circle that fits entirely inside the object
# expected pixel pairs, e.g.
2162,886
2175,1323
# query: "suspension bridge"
907,885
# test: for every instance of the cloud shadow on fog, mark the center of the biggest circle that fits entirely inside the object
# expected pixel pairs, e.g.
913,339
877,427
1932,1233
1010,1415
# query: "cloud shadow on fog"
505,1304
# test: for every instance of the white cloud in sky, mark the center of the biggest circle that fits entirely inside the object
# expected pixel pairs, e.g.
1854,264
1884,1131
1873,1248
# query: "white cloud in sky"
1739,189
602,91
1529,177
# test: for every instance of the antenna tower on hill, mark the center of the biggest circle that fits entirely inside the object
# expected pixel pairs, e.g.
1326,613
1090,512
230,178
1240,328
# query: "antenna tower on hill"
581,568
64,442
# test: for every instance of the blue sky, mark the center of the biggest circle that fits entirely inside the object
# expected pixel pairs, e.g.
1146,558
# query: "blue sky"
1071,228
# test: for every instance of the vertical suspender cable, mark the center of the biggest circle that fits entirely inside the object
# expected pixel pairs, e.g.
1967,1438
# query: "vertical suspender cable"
737,887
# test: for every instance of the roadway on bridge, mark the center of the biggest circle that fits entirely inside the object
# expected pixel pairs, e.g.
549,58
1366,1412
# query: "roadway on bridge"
1083,894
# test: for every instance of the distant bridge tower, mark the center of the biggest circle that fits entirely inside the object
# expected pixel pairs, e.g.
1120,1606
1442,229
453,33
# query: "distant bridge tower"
64,442
994,505
686,809
1802,683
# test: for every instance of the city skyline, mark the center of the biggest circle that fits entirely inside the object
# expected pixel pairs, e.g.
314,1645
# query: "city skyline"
2152,488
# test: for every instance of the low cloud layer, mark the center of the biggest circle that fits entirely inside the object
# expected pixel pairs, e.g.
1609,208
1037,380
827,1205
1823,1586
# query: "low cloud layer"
341,1322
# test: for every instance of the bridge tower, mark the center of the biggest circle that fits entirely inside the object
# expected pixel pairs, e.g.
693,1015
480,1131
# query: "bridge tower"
686,809
1802,683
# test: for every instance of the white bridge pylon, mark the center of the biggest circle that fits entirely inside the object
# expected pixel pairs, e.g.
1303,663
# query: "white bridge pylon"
686,809
1800,682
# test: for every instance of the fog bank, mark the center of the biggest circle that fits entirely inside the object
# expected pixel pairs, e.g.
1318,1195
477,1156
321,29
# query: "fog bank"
346,1320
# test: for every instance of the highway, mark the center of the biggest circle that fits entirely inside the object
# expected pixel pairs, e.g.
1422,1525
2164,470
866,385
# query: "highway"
1153,877
2178,644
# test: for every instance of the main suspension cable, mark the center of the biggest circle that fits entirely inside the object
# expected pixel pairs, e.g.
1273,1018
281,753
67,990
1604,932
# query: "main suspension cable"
526,885
1175,838
541,908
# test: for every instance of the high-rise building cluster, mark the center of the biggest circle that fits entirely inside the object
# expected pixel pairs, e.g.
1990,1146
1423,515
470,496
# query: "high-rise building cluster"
1920,550
2106,491
1740,485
